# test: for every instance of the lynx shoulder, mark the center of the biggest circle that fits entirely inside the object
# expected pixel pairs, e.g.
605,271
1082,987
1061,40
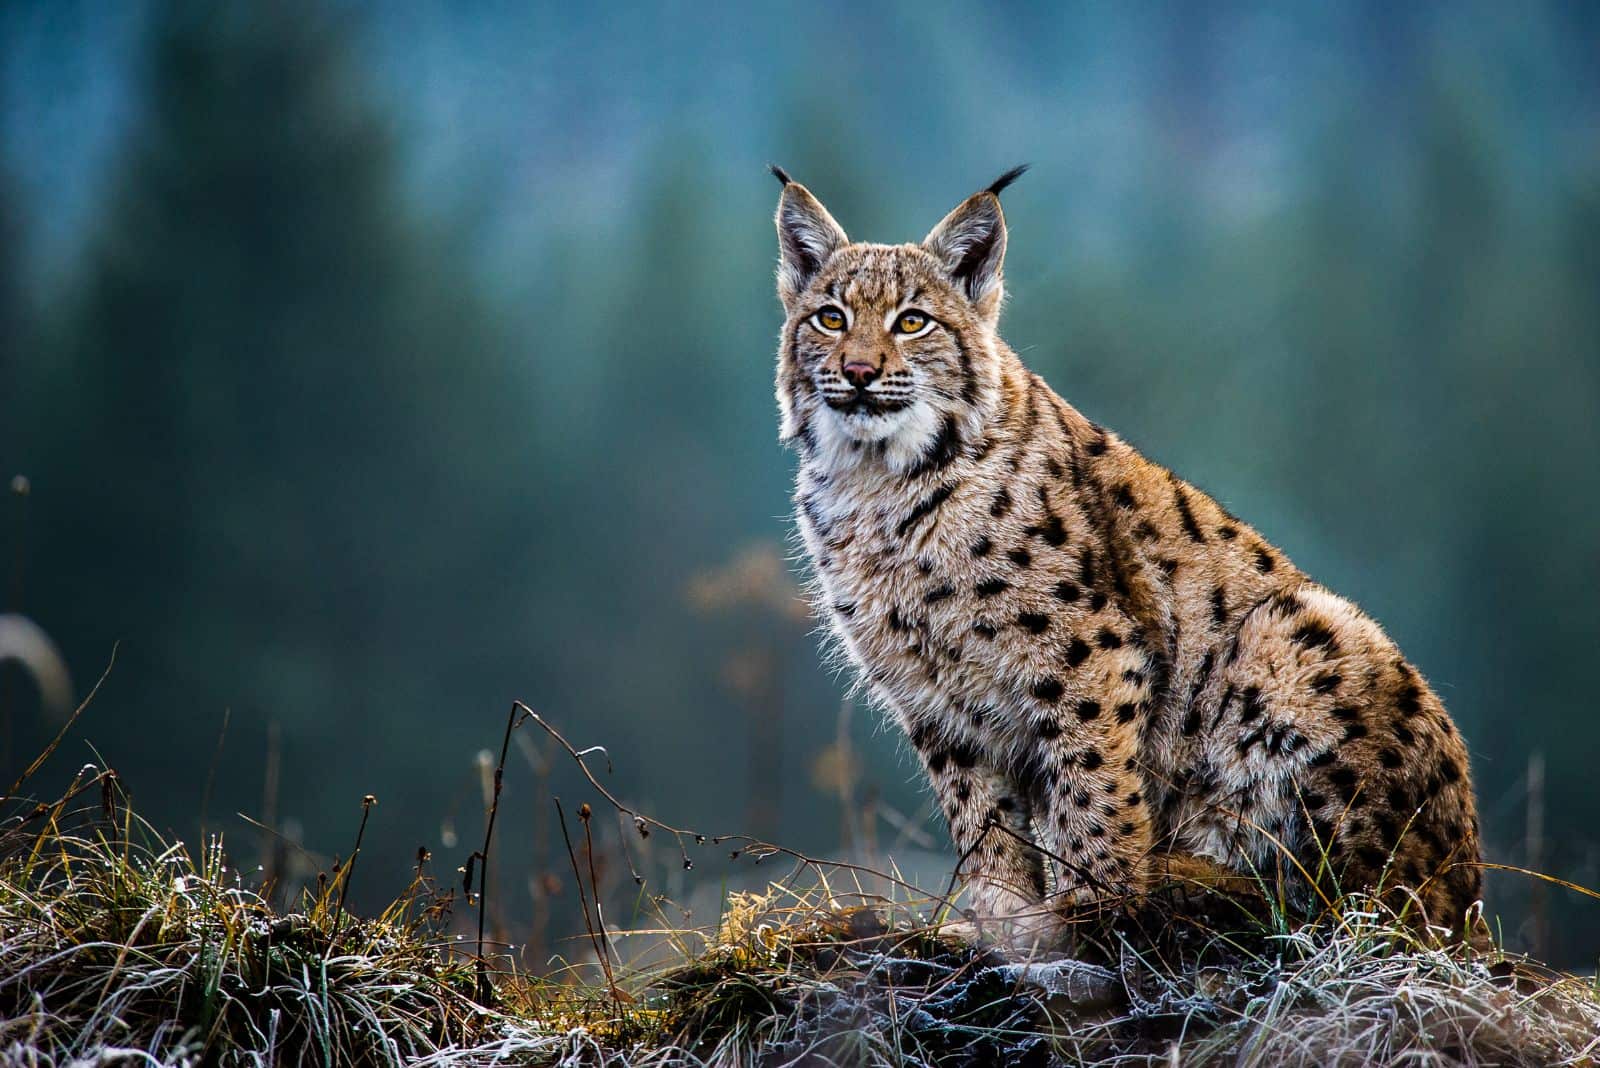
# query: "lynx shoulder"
1093,660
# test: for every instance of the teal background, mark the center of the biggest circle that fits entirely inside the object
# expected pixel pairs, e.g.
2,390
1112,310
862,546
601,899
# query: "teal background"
373,365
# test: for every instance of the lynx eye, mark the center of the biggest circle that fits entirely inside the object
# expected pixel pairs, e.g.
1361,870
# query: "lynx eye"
830,318
910,322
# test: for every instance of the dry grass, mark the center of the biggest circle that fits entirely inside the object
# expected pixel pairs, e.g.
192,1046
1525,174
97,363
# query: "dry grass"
119,947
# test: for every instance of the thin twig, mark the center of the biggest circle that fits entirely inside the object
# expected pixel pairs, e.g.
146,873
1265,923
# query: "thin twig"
349,872
65,727
759,848
485,992
583,900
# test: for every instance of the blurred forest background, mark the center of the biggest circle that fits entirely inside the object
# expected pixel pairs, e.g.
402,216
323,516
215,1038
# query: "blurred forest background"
371,365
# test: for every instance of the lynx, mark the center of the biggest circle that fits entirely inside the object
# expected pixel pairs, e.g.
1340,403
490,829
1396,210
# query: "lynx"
1095,662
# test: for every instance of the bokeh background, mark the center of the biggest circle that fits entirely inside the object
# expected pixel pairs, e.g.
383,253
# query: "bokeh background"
374,364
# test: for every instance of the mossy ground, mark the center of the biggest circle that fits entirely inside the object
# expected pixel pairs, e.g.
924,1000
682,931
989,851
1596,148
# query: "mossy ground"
116,945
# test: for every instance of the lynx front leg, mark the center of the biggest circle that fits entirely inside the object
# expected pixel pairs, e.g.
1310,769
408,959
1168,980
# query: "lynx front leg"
990,825
1094,818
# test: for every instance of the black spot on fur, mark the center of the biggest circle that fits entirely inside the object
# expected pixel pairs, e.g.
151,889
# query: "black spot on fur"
981,547
1219,606
1097,601
1253,705
920,734
1001,504
1313,634
1088,710
1051,530
1284,604
1326,683
1191,722
808,439
925,508
1123,496
1227,532
845,608
1185,513
1091,760
938,594
1021,557
1108,639
1098,444
945,447
1352,731
1390,758
1127,712
984,630
1223,706
1066,592
1409,700
937,761
991,587
813,512
1284,741
1263,560
1048,689
1049,729
1033,622
1077,652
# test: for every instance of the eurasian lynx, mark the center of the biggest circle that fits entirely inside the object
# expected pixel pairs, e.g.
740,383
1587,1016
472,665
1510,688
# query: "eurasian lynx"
1085,651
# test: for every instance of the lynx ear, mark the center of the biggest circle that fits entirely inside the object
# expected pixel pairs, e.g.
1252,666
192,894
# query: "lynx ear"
971,243
807,236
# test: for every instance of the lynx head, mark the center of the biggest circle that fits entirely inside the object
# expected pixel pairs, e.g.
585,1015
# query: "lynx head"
888,345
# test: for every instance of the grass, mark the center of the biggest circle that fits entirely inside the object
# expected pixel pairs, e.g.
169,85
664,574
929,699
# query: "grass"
117,946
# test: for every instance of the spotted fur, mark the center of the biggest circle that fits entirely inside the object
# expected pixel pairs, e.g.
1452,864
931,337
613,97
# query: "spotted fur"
1084,650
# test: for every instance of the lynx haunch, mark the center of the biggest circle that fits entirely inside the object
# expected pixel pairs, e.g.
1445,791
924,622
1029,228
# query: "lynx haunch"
1086,652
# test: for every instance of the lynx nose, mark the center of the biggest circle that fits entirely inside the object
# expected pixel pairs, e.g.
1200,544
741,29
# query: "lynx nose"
860,375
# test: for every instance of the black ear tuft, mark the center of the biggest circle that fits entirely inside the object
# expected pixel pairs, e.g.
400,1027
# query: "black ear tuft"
1005,179
780,174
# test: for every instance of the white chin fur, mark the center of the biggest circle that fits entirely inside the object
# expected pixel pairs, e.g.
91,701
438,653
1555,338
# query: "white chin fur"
904,434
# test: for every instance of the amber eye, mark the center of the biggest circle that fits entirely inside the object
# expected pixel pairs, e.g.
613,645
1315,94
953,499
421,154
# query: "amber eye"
910,322
830,318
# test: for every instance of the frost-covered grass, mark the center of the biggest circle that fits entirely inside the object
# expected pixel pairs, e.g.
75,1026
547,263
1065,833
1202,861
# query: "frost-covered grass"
119,947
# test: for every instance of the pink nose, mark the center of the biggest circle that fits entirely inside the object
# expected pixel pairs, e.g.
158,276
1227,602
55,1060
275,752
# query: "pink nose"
860,375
